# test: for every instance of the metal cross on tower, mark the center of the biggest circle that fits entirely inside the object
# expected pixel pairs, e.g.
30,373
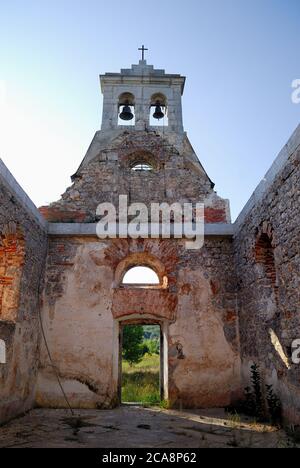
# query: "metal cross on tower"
143,49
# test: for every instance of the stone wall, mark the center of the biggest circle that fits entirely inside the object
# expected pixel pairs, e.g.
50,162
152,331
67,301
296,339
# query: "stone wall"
23,244
177,176
85,305
267,257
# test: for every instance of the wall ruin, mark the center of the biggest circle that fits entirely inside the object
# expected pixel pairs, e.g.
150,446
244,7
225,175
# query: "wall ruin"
234,302
267,262
83,306
23,244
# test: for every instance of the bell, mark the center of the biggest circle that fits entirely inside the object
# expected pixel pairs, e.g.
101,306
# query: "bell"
158,114
126,113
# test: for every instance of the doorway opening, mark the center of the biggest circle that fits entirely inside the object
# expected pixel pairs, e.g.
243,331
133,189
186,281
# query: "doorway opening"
141,360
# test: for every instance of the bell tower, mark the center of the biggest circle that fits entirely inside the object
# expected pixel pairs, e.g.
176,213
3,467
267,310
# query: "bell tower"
141,151
143,98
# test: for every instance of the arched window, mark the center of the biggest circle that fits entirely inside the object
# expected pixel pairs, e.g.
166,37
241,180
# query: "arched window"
142,167
141,270
264,254
141,275
140,161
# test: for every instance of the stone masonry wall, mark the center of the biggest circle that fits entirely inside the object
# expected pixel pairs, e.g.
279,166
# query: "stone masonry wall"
23,244
267,258
176,177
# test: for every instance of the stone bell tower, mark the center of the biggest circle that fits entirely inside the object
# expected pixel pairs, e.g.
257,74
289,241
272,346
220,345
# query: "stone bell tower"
142,88
141,151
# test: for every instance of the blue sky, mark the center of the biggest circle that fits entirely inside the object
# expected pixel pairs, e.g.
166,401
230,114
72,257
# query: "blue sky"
240,59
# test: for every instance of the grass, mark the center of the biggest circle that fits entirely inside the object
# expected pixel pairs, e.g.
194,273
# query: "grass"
235,418
140,382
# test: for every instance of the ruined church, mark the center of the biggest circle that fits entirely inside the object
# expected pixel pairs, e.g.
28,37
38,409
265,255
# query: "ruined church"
220,308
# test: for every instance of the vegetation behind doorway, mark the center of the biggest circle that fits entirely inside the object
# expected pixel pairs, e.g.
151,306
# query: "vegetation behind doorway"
141,364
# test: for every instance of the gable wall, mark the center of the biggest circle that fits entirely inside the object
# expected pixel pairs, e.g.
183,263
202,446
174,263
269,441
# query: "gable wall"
177,178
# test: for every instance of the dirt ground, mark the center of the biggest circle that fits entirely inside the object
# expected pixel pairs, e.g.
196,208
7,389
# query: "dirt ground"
135,426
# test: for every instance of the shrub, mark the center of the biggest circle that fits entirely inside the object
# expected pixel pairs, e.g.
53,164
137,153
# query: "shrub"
274,406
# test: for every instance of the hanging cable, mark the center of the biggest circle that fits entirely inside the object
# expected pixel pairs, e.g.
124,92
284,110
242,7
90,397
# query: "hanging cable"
163,155
49,353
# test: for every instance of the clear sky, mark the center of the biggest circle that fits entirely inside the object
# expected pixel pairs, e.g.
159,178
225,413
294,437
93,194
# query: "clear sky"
240,58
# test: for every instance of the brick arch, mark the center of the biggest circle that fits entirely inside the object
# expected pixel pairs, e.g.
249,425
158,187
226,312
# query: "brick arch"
160,97
266,229
12,257
125,98
142,259
166,251
140,156
149,144
132,300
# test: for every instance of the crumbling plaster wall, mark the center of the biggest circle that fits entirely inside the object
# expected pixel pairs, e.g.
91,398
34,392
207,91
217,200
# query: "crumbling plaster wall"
83,303
21,276
269,306
78,325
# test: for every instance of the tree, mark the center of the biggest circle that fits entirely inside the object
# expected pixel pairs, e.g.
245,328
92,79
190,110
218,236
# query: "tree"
152,338
133,346
257,388
151,332
152,345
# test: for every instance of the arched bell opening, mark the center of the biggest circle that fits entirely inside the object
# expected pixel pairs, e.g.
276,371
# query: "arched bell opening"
126,109
158,110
